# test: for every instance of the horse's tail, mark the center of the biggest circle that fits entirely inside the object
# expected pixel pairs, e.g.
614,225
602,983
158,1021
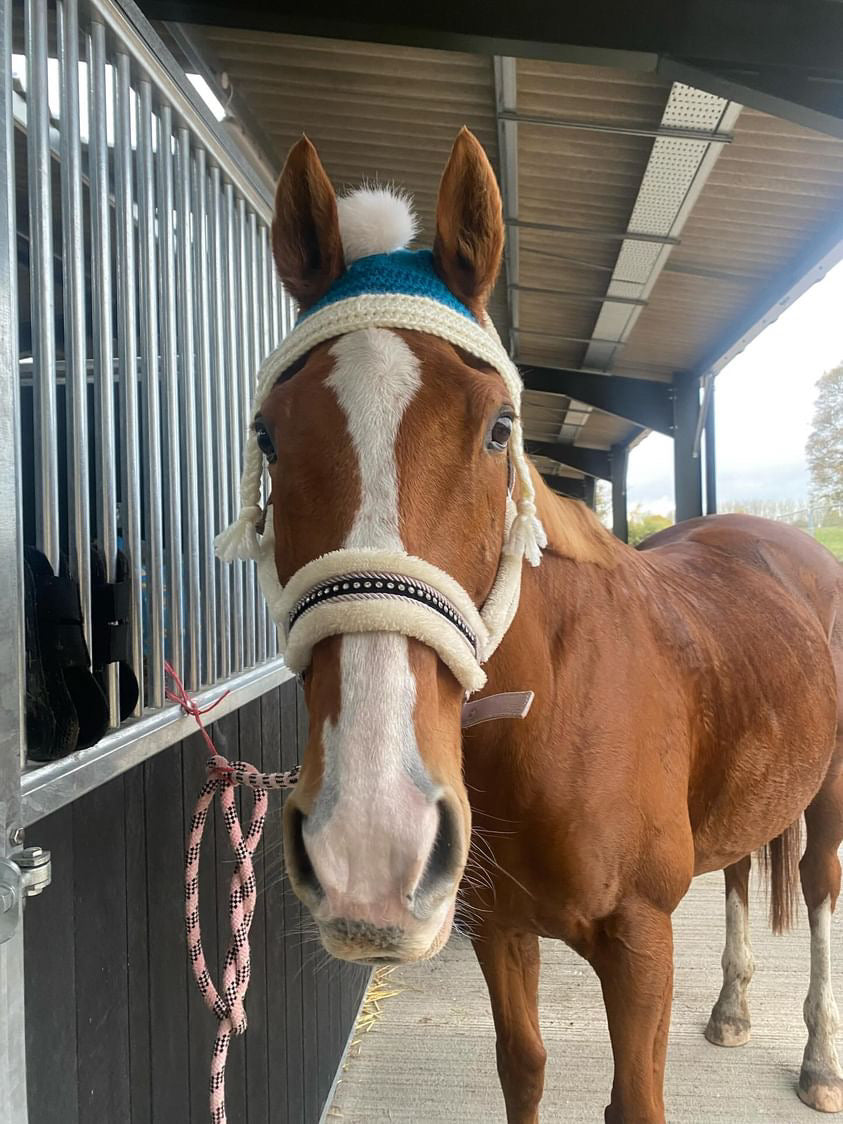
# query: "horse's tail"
780,863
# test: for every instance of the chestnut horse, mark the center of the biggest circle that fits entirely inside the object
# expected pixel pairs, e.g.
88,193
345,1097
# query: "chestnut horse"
686,703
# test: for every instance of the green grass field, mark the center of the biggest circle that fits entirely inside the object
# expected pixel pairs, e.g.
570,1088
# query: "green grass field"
832,537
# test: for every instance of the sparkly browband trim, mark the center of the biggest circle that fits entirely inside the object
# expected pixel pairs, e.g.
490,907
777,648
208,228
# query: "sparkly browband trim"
381,586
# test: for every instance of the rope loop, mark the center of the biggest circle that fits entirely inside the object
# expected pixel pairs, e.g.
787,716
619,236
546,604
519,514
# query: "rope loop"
227,1003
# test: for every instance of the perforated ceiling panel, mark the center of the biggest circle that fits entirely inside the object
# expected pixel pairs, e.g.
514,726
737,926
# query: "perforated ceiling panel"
675,172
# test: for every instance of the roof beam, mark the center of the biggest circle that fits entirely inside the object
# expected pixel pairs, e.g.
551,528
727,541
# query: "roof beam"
642,401
573,486
593,462
810,100
601,234
800,36
703,136
594,298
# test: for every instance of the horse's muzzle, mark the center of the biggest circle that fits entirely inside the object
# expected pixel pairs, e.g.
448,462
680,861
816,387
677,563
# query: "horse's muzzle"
381,891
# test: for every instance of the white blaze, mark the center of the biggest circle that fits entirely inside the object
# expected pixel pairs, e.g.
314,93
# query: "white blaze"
375,379
374,817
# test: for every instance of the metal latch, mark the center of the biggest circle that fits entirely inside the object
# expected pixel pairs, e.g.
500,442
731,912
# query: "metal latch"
24,874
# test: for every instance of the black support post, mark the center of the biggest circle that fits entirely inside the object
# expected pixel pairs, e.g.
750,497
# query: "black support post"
640,400
710,456
687,474
620,517
588,491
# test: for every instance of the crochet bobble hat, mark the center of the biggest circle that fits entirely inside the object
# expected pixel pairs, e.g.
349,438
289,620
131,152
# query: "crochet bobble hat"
387,286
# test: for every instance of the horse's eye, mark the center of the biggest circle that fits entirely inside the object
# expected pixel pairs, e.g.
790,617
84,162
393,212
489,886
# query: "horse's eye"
265,441
501,432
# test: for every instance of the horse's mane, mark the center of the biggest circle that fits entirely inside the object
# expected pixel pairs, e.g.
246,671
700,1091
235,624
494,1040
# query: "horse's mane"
573,530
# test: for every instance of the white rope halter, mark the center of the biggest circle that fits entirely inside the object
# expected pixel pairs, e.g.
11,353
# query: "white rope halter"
331,595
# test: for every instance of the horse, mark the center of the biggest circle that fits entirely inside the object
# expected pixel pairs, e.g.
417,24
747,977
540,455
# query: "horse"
686,705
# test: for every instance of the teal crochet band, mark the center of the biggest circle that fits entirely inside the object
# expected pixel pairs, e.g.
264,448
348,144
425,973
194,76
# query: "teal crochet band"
408,272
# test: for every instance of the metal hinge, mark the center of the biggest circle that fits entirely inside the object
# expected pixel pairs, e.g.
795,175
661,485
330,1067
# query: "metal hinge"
24,874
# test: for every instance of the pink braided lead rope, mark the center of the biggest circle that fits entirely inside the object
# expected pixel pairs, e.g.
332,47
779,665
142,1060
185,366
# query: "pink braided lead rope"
223,777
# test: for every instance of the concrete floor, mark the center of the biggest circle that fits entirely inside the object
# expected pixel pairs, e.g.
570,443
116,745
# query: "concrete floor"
431,1055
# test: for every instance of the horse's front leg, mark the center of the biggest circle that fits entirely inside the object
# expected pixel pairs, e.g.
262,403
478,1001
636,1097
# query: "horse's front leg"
633,955
510,963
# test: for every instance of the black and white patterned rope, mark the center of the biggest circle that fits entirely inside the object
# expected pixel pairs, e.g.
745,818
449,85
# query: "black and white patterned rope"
381,586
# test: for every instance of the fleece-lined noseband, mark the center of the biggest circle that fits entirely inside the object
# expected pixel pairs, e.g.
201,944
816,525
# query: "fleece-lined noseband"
369,585
348,591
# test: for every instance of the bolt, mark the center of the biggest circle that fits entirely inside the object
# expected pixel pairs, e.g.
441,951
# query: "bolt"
16,836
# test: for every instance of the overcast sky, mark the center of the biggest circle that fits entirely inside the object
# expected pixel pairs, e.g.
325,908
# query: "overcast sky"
764,400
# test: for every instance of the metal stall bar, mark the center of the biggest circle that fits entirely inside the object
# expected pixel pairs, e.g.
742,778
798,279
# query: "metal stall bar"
138,38
205,511
270,340
232,309
258,353
189,337
223,459
277,328
171,476
127,346
103,348
154,553
76,374
246,360
190,454
42,297
58,783
12,681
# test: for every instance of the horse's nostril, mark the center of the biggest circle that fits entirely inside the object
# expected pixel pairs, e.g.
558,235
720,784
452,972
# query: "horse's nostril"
444,860
297,858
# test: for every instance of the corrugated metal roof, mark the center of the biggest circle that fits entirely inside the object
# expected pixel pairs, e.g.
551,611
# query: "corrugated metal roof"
392,113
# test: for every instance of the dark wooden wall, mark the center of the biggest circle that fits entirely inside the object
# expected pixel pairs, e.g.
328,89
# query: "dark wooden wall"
116,1031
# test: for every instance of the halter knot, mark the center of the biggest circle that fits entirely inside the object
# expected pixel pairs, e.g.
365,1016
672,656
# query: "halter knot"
219,766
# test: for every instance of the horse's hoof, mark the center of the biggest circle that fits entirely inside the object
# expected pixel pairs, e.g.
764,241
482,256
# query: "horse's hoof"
824,1093
728,1031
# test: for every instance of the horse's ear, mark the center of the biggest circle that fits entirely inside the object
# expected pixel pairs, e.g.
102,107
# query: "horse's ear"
306,241
469,224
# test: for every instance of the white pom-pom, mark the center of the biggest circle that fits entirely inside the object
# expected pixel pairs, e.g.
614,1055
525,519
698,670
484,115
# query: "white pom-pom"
375,220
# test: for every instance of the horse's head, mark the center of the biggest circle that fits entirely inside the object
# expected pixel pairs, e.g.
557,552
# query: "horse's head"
392,446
